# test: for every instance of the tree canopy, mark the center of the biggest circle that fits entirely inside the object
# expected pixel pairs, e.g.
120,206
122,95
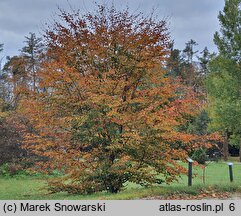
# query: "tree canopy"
223,82
108,113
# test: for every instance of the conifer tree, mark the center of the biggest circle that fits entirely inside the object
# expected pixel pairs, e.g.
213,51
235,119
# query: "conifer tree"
224,80
32,53
228,40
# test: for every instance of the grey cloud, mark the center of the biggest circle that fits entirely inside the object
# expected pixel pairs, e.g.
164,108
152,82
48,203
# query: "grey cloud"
188,18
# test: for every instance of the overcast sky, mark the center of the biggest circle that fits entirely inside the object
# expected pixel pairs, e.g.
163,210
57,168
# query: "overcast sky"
189,19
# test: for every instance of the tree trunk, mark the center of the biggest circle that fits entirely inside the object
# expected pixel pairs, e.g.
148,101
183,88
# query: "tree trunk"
225,147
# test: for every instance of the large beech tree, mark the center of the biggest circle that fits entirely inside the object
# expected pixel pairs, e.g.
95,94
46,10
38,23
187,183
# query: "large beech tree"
108,113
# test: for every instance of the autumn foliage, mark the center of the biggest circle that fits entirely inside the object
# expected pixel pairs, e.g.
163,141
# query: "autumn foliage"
106,112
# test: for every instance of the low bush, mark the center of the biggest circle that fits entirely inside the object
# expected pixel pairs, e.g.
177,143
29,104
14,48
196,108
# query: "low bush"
200,155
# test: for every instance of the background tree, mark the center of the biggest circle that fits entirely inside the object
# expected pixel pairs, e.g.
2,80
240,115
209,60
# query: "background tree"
21,69
10,136
15,81
189,50
32,53
109,113
193,74
181,64
189,68
4,90
174,62
1,49
17,76
228,40
204,60
224,99
223,83
3,87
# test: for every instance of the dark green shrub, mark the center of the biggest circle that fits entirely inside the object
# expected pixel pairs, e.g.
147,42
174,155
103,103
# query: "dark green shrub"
200,155
10,169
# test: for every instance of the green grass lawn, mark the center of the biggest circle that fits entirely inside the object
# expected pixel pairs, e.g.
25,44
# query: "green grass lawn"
27,187
215,173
